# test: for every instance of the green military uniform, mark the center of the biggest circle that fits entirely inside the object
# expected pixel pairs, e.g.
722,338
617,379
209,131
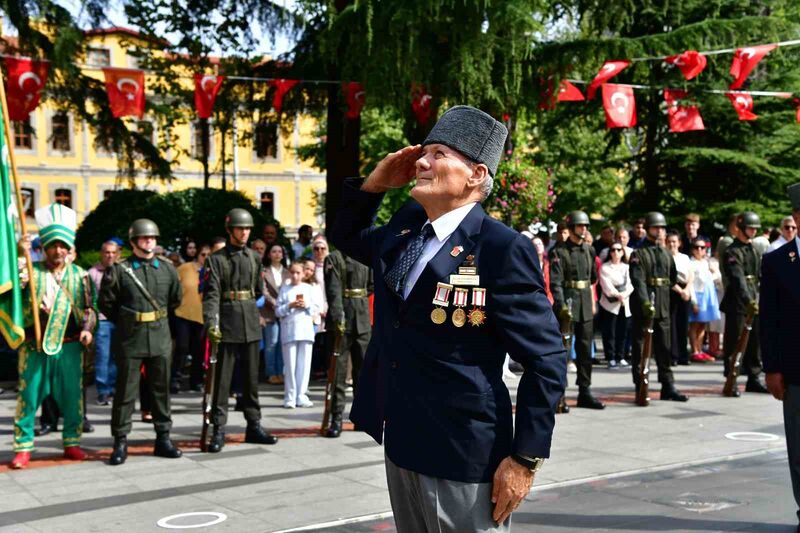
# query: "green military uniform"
722,245
66,302
348,285
142,335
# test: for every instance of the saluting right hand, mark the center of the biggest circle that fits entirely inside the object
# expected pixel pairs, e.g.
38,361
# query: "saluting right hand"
394,171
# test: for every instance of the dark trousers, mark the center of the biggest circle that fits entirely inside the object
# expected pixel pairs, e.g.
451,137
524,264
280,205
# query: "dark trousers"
615,331
583,332
188,343
353,347
128,378
145,394
679,327
319,354
751,361
247,353
661,349
791,424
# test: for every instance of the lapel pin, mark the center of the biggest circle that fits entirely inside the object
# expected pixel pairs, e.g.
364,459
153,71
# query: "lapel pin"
456,251
404,232
792,256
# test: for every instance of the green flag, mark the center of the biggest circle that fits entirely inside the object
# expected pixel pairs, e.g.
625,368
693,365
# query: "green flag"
11,322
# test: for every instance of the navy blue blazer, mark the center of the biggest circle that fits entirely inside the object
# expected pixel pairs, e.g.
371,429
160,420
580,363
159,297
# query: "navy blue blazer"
779,312
434,393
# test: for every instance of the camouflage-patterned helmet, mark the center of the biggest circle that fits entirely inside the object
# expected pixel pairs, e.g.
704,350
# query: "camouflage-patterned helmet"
654,219
748,219
577,217
238,218
143,227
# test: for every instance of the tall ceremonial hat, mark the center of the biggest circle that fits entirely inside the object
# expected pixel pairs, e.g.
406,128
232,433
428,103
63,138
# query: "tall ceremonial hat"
56,223
794,195
472,132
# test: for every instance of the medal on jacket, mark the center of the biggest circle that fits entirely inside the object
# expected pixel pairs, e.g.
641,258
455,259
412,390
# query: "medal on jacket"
441,299
460,300
477,316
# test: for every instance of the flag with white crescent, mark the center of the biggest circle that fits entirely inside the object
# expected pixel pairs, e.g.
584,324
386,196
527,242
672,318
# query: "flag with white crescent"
743,104
567,92
606,72
691,63
355,96
24,84
206,88
282,86
125,88
619,105
421,104
682,117
745,60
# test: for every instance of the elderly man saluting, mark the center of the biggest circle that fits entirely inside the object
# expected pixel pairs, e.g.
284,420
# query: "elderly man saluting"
455,290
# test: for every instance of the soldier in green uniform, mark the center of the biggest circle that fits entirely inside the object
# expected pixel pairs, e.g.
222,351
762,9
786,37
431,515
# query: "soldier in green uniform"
137,295
65,297
741,265
231,318
348,285
572,274
653,272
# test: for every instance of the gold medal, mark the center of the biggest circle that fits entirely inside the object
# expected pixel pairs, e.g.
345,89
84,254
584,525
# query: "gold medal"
476,317
459,317
438,316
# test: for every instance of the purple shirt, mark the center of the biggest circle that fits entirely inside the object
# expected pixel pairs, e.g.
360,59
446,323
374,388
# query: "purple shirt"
96,273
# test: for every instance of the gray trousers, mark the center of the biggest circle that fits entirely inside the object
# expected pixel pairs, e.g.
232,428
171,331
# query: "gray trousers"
424,504
791,423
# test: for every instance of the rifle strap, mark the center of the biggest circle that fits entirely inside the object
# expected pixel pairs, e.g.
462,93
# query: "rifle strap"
141,287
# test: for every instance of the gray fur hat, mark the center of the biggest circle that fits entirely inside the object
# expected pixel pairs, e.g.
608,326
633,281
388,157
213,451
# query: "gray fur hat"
794,195
473,133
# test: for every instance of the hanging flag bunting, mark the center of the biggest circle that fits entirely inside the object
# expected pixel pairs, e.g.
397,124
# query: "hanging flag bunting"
743,104
607,71
355,96
206,88
26,79
619,105
745,60
681,118
421,104
796,102
282,87
125,89
567,92
691,63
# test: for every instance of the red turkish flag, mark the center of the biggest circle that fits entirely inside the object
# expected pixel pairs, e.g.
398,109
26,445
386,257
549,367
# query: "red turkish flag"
206,88
24,84
355,95
745,60
282,87
743,104
421,104
606,72
620,106
125,89
796,102
691,63
567,92
681,118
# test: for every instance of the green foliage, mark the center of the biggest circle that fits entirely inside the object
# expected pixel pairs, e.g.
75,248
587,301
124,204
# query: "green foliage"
522,193
111,218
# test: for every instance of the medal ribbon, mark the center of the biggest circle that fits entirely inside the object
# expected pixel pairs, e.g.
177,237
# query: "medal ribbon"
460,297
442,296
478,297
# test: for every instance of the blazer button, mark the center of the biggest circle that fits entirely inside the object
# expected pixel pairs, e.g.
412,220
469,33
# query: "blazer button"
396,324
394,365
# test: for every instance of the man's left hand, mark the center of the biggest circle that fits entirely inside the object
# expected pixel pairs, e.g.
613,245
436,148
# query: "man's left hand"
512,482
85,338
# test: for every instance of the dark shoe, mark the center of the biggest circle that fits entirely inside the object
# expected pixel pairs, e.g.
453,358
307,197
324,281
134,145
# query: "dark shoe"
255,434
755,385
562,408
165,448
44,430
87,426
587,400
670,393
102,399
120,452
335,429
217,441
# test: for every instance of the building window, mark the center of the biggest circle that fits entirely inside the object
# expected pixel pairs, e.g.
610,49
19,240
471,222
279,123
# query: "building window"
59,138
23,135
196,147
268,205
265,142
63,197
28,200
98,57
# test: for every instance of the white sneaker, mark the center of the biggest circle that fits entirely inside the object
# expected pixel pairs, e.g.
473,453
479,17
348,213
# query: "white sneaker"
572,368
305,403
624,362
288,406
612,365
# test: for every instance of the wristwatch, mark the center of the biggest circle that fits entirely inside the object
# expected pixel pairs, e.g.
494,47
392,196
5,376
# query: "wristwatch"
534,464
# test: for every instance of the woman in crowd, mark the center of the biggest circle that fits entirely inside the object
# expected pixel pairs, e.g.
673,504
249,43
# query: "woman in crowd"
189,251
319,362
189,345
615,309
309,276
680,297
705,306
273,276
544,262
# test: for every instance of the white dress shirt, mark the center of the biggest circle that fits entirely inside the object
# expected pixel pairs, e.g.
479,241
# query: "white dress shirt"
777,243
443,227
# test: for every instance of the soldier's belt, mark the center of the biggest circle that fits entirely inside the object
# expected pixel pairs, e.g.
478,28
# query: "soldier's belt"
355,293
149,316
751,279
235,296
577,284
657,282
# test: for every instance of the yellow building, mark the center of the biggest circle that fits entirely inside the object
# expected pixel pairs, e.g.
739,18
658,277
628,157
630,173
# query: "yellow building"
58,161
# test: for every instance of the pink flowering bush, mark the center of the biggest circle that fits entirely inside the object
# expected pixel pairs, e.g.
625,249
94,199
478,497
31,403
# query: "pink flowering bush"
522,194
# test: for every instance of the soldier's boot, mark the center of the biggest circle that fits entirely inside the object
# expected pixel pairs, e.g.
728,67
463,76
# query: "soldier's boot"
120,452
587,400
164,447
217,441
754,385
255,434
335,429
670,393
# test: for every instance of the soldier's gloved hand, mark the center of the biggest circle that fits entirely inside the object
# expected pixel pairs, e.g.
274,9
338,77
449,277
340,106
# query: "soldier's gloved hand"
564,314
340,327
215,334
649,310
752,307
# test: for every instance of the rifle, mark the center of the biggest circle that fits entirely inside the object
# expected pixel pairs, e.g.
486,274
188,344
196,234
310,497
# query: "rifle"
330,384
208,392
731,388
643,391
566,338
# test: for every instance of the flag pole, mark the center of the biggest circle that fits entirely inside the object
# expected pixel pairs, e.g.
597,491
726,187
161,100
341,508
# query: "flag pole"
37,326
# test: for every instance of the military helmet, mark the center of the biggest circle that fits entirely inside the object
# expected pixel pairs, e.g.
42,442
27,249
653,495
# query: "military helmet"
654,219
748,219
577,217
143,227
238,218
